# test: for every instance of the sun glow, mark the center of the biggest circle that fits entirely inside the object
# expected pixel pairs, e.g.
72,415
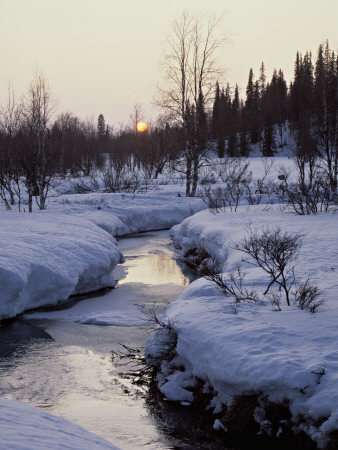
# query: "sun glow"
141,127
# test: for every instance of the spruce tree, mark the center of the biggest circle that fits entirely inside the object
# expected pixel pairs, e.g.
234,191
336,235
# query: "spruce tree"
250,92
269,139
262,81
235,102
216,112
217,121
101,126
229,121
244,149
252,118
232,145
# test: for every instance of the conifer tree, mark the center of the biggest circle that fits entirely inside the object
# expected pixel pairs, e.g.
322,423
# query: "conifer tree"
235,102
244,148
228,117
326,111
262,81
301,100
232,145
101,126
269,140
217,122
252,119
250,91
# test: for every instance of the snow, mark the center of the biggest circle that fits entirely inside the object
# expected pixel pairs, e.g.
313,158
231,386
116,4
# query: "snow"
24,427
116,319
174,392
283,354
219,426
47,258
70,248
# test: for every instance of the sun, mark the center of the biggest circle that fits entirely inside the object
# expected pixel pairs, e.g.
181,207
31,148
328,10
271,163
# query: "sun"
141,127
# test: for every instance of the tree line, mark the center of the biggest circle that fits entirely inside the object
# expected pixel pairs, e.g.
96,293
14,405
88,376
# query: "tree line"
309,105
199,116
37,149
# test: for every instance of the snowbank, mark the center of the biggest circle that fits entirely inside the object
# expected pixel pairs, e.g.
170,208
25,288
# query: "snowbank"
122,214
288,354
46,258
27,428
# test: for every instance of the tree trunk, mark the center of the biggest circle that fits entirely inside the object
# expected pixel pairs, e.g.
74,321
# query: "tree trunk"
30,199
188,178
194,177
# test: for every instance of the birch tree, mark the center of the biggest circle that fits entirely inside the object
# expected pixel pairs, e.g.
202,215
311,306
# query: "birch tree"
11,115
37,157
189,74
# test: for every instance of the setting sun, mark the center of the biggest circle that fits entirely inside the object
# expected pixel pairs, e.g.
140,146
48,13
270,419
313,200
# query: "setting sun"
141,127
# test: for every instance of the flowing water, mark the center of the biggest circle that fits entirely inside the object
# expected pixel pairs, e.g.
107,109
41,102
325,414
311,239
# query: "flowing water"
49,360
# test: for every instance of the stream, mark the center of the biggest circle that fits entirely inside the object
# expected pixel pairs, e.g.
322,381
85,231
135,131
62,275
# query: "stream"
50,360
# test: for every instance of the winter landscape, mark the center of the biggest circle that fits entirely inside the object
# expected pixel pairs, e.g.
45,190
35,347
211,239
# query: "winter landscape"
181,267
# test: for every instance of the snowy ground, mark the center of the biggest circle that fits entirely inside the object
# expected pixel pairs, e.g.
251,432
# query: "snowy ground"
289,354
70,248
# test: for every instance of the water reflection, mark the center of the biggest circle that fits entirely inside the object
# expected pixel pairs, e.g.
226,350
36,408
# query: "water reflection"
15,335
154,269
81,386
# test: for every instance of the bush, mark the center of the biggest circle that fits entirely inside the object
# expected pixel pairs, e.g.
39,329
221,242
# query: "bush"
273,251
311,193
231,285
307,296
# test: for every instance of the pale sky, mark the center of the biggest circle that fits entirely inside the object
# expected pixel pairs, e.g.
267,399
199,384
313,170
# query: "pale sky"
102,56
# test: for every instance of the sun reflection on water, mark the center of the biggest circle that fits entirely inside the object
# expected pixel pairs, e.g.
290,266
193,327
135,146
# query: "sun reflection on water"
155,269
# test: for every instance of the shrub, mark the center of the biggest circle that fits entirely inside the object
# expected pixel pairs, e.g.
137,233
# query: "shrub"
274,251
307,296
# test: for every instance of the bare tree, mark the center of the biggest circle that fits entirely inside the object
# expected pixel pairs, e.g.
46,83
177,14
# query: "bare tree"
36,153
90,156
10,122
136,116
190,71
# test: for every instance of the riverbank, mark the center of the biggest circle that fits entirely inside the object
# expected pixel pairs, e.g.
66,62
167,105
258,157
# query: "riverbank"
256,348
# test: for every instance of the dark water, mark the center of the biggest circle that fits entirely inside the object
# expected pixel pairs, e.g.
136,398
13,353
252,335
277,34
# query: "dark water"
49,360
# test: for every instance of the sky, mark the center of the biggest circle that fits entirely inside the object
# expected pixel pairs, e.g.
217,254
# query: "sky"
102,57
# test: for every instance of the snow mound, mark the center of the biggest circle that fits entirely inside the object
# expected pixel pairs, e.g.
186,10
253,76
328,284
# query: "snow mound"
115,318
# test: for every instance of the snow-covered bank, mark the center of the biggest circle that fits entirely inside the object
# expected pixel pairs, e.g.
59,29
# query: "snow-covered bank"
122,214
24,427
289,354
46,258
69,248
